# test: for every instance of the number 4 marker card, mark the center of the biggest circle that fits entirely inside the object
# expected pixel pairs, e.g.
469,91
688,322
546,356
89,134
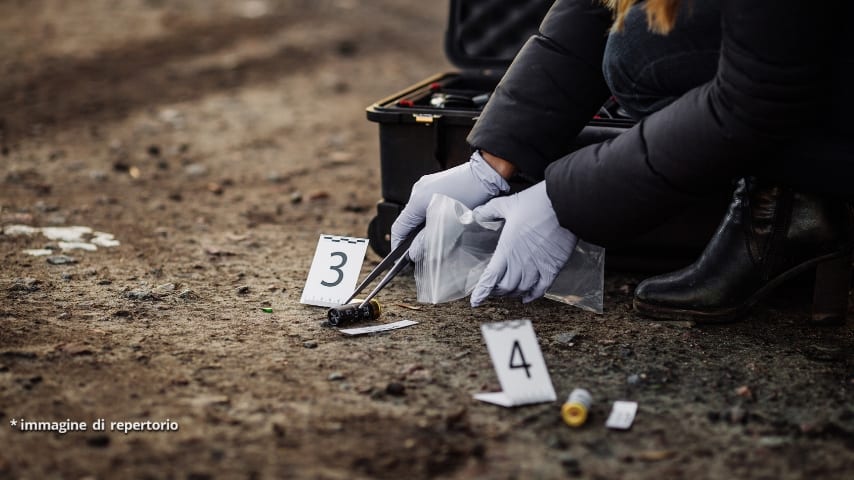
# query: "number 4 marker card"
334,270
519,364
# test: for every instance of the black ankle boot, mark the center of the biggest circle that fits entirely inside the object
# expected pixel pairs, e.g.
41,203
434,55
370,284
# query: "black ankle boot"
769,234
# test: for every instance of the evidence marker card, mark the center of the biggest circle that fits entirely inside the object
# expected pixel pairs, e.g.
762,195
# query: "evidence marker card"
519,364
334,270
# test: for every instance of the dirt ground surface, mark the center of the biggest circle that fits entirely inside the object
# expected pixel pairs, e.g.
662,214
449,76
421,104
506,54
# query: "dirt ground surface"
216,140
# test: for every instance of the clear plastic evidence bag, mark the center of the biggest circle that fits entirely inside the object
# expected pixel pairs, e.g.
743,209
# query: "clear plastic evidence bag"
457,249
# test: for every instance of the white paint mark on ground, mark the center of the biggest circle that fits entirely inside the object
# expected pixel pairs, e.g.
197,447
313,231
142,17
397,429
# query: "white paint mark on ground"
69,238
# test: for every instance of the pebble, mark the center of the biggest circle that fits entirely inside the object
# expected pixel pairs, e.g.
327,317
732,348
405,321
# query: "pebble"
744,391
276,177
318,195
61,260
395,389
243,289
773,442
347,48
187,294
570,464
356,207
141,294
633,379
336,376
737,414
566,338
209,400
195,170
296,197
164,289
25,284
97,175
309,344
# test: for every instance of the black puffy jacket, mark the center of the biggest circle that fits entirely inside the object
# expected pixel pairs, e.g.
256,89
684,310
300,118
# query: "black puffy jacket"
781,102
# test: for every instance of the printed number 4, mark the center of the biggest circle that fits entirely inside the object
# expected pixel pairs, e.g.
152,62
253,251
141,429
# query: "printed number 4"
514,363
336,269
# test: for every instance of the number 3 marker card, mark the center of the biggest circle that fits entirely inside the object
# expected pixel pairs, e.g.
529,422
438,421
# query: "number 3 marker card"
519,364
334,270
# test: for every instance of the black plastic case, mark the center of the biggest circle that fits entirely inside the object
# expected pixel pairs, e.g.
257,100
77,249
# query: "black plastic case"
418,138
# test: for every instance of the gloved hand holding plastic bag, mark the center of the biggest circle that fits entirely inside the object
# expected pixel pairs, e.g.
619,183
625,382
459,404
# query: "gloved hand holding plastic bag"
452,251
456,249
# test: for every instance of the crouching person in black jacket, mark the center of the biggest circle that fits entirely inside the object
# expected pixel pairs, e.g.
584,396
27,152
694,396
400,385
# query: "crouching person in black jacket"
749,91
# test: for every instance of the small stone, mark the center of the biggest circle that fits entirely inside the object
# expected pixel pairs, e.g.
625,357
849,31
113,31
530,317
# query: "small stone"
97,175
336,376
570,465
318,195
309,344
395,389
566,338
744,391
347,48
209,400
61,260
25,284
165,289
737,414
196,170
215,188
356,207
140,294
276,177
187,294
633,379
243,289
773,442
296,197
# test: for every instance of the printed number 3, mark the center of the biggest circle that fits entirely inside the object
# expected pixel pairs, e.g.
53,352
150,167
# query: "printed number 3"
336,269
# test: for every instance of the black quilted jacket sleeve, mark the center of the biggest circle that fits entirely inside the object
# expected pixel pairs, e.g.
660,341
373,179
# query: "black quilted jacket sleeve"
772,73
554,86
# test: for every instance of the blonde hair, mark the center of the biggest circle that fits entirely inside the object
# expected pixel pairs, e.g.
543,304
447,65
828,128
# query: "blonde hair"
660,14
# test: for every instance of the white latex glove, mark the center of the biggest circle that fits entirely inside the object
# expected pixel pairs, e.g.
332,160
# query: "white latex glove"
471,183
531,251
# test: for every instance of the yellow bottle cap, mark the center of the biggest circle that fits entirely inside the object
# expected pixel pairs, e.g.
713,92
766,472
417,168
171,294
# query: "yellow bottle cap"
574,414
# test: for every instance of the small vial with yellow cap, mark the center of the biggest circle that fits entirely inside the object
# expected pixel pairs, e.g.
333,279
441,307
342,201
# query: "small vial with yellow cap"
574,410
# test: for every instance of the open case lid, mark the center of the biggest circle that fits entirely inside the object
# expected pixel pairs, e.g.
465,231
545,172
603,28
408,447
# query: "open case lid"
487,34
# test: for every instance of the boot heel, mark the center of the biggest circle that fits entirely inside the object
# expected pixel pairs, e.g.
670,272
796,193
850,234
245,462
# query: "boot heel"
830,297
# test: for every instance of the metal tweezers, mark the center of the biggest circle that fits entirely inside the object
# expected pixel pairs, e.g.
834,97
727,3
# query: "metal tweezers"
397,260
